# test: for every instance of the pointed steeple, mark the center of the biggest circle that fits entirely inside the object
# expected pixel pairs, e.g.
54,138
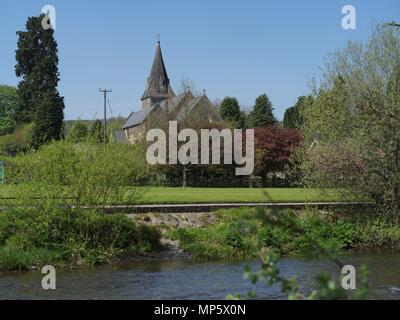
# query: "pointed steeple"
158,87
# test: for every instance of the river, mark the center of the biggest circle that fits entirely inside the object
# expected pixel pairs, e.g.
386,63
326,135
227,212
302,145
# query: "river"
190,279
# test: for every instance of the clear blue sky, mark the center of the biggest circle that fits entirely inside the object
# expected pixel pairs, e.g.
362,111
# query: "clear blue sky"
231,48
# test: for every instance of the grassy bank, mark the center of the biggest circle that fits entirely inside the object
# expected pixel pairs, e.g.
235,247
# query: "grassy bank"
241,233
34,237
220,195
155,195
171,195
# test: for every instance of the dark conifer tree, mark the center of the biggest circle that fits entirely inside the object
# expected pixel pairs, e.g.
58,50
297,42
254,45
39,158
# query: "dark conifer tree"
37,65
97,131
229,109
262,114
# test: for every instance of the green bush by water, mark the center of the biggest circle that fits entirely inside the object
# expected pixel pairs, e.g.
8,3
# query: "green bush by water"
63,236
45,221
240,233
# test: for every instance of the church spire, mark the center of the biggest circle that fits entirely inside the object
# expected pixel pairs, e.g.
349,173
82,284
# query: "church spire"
158,87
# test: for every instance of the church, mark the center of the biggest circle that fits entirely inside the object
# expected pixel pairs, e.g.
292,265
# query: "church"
159,104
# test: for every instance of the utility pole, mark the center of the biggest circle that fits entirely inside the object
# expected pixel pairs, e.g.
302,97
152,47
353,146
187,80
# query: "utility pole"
105,91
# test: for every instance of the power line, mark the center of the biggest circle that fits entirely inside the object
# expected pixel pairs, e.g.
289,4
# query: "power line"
109,105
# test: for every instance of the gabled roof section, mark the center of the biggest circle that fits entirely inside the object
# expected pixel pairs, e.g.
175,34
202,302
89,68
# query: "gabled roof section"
206,108
184,112
158,82
171,104
177,108
136,118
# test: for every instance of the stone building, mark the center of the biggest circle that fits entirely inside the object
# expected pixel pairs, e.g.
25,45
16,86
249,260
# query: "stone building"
160,104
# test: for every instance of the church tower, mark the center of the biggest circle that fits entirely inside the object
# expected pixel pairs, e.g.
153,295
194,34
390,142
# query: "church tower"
158,87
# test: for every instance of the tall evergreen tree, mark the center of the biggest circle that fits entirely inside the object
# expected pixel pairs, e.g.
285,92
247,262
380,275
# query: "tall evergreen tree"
97,131
230,109
37,65
293,117
290,118
262,114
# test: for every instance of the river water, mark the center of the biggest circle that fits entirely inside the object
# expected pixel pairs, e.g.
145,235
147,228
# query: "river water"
190,279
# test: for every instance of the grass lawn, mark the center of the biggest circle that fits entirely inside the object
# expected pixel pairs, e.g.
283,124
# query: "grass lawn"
156,195
218,195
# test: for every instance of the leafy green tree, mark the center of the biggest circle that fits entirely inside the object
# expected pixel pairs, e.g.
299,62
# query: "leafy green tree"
78,132
37,65
230,110
8,106
355,121
262,114
293,115
17,142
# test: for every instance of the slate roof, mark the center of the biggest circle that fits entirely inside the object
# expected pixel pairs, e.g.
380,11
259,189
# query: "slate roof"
170,104
137,117
158,83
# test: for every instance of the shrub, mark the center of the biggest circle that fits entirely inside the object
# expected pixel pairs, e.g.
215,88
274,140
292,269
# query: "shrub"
87,174
243,232
277,238
78,132
17,259
8,105
59,191
344,232
17,142
78,237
